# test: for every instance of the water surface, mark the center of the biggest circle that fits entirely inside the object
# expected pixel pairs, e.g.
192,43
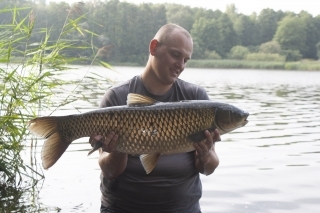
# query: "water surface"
272,165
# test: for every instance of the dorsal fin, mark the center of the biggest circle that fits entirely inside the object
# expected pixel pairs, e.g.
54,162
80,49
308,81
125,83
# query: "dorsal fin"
134,99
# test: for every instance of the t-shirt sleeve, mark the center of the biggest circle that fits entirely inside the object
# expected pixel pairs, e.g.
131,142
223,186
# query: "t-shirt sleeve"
201,94
115,96
108,99
190,91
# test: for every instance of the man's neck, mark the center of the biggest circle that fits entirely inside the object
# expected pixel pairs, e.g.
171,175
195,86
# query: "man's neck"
153,85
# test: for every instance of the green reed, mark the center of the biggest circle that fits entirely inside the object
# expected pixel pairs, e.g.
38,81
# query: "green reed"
29,76
246,64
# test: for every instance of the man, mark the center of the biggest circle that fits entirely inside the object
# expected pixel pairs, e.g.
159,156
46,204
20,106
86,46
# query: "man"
174,184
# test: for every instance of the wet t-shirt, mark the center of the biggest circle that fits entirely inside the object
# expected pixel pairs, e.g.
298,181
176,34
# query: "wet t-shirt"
174,184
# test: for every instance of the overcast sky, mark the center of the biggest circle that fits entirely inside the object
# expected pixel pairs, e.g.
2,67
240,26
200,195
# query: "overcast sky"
243,6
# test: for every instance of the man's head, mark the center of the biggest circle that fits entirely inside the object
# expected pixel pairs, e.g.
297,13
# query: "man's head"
170,50
163,34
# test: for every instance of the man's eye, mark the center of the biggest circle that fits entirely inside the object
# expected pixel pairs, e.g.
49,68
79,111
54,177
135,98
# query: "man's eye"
175,55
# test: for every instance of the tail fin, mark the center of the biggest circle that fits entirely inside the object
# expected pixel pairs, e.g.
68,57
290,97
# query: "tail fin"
55,145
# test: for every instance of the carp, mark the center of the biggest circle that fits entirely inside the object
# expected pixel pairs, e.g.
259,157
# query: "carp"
144,127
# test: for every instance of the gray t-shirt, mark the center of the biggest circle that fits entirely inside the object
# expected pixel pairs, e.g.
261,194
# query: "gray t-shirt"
174,184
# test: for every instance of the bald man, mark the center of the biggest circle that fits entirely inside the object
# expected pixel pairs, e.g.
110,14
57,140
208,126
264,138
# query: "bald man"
174,185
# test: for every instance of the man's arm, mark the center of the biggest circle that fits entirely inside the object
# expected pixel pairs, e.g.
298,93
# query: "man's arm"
206,159
111,162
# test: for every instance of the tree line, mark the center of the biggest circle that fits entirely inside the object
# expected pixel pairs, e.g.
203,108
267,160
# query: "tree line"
123,30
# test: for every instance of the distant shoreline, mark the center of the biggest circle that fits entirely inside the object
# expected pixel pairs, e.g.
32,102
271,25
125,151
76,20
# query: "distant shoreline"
303,65
243,64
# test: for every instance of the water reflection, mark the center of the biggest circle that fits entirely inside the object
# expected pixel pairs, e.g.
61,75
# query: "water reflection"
21,199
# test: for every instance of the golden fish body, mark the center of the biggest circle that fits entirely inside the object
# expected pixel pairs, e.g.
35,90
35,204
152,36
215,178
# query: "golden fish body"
144,127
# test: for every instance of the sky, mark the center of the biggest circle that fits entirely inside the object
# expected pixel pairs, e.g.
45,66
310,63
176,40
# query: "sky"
246,7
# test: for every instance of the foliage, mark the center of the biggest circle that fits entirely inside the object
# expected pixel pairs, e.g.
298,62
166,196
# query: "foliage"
30,73
128,28
206,35
181,15
246,28
292,55
318,49
228,37
198,50
236,64
270,47
313,35
245,64
292,34
238,52
302,65
268,21
213,55
265,57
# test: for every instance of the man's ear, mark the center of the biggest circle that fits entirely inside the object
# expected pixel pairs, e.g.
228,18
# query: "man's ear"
153,46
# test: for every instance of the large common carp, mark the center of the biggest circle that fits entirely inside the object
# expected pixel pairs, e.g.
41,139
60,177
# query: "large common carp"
145,127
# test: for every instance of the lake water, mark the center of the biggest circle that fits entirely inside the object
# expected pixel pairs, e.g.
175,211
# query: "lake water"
272,165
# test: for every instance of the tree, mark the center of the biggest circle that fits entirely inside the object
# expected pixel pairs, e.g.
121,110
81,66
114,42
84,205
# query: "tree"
206,35
228,37
206,14
231,11
246,30
268,23
312,37
181,15
292,34
318,49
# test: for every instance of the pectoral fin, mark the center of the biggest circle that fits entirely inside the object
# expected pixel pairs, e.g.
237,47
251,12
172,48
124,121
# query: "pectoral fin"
200,136
95,147
149,161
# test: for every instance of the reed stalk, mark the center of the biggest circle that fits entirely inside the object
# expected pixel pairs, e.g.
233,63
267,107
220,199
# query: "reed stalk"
29,78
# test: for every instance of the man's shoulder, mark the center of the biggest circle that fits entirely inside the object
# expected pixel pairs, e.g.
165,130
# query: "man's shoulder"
117,94
124,85
190,87
190,91
187,84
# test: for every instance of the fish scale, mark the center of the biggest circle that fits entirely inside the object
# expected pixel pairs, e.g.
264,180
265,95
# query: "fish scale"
166,136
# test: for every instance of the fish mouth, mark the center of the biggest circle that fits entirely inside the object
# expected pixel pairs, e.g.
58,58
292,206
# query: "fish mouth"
245,120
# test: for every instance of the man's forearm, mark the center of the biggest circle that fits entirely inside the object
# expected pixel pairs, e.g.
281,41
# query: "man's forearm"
112,164
210,165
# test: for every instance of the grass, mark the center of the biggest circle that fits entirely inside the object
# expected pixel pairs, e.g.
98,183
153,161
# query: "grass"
245,64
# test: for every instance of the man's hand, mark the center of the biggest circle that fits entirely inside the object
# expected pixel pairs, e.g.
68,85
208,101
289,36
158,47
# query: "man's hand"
112,163
205,156
108,144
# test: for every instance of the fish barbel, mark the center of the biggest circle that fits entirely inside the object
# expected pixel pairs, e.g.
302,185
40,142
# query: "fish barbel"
144,127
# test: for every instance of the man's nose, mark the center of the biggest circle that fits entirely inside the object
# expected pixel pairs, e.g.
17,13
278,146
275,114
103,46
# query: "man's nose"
180,64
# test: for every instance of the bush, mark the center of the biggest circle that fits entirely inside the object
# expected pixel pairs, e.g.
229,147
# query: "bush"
213,55
265,57
292,55
253,49
238,52
270,47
